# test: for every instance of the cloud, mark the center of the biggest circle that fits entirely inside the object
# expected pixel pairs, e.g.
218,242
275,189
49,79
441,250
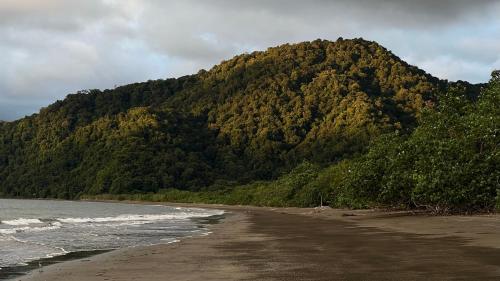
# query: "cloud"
54,47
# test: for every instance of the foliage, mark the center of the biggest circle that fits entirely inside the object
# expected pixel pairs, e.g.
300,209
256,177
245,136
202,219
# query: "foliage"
346,122
250,118
449,163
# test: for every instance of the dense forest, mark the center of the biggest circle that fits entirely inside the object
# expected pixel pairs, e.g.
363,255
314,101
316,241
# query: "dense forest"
346,122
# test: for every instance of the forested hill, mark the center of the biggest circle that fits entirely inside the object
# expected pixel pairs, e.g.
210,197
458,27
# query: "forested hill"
250,118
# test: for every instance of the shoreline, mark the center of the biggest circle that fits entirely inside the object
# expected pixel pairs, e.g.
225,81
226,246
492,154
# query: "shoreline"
19,271
478,229
262,243
73,270
29,267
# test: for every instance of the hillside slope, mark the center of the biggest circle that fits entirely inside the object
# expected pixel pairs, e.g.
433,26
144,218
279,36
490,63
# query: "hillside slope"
249,118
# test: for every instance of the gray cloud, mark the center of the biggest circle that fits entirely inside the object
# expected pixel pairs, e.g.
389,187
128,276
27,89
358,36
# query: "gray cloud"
53,47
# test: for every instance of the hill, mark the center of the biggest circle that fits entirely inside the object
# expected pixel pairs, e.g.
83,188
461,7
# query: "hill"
254,117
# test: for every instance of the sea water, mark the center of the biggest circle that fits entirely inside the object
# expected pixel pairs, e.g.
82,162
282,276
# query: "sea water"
37,229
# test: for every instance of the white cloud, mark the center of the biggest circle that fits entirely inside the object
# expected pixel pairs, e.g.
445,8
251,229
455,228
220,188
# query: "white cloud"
53,47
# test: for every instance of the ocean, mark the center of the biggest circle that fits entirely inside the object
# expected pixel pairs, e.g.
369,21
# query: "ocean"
32,230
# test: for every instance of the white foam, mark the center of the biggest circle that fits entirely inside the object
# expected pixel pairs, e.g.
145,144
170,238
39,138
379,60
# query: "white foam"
61,252
22,221
25,239
9,231
19,252
142,218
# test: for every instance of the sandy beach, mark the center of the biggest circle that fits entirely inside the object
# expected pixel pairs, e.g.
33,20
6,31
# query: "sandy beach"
307,244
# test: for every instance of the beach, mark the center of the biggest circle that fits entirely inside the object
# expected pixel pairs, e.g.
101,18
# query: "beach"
253,243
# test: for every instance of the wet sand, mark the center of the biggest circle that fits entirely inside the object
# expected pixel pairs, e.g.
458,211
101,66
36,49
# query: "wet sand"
307,244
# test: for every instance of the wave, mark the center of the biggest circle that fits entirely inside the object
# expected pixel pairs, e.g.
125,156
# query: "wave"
22,221
65,228
142,218
19,252
9,231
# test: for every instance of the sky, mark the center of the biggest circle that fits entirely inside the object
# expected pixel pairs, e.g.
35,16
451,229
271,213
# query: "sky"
52,48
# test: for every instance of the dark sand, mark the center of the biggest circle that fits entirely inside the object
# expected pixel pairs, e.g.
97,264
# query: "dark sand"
307,244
